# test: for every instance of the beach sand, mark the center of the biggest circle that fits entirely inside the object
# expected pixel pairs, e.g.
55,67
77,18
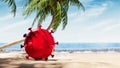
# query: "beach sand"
62,60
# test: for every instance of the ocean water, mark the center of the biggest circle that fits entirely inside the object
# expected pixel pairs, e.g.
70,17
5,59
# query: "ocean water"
74,46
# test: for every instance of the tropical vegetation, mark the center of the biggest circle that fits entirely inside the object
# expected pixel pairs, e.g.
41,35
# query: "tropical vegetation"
43,8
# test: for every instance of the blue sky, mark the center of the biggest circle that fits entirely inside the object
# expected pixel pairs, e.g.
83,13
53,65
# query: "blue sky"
99,23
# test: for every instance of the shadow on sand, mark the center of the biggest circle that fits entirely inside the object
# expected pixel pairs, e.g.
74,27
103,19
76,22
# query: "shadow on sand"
23,63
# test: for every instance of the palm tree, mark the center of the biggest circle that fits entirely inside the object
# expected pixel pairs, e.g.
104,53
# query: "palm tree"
56,8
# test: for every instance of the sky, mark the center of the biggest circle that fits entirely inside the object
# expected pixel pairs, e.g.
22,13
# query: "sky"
100,23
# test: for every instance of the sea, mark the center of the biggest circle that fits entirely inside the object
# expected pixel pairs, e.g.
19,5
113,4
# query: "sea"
75,47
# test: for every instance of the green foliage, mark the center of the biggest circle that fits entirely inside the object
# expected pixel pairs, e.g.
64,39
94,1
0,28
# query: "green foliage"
56,8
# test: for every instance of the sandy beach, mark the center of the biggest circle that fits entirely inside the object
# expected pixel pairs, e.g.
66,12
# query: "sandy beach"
62,60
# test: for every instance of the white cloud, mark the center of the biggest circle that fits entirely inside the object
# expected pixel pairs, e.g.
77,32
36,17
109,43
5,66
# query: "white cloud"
14,31
114,27
15,25
84,17
100,25
95,11
86,1
80,30
7,17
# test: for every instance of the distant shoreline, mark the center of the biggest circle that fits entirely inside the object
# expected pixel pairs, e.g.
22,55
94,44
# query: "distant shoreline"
81,50
94,50
81,47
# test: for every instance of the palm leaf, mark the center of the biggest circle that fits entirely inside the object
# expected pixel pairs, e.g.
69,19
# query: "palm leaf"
11,4
57,17
56,8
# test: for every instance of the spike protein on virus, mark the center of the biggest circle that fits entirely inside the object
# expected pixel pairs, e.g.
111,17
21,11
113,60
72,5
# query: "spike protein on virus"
39,44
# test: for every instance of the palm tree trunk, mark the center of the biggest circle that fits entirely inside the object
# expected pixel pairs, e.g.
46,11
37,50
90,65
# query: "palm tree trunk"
21,40
11,43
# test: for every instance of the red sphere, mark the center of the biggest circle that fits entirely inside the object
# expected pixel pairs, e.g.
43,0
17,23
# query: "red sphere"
39,44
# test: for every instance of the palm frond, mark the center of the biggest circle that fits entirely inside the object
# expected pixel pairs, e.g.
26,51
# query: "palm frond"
11,4
77,3
64,20
39,6
43,15
56,8
58,15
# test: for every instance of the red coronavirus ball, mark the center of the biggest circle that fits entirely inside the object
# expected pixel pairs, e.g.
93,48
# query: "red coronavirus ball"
39,44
